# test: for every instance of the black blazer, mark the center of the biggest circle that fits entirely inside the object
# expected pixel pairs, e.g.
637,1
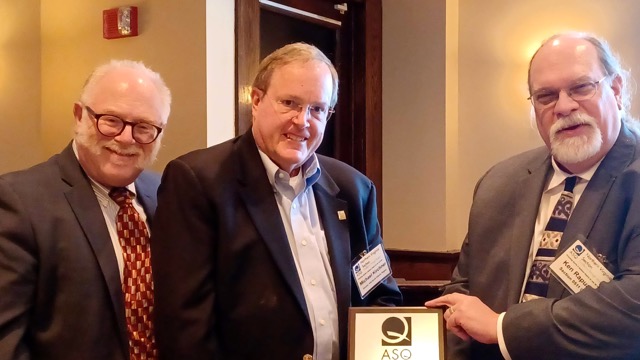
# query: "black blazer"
59,277
226,282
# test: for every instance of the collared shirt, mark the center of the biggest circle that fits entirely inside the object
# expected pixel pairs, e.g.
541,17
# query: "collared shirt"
549,198
308,244
110,211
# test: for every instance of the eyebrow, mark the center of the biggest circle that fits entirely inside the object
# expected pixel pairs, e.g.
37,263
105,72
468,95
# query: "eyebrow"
577,81
135,120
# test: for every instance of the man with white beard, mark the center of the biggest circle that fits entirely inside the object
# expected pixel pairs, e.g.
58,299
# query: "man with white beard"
550,267
75,273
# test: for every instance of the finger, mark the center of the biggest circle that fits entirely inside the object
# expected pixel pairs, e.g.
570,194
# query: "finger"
459,332
446,300
456,328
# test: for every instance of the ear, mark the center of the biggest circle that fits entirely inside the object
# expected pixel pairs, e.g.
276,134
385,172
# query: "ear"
616,86
256,98
77,111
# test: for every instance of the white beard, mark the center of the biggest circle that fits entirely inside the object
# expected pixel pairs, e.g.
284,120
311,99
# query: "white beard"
572,150
87,136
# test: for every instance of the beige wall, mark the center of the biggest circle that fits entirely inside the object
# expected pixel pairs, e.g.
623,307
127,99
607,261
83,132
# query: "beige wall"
487,116
171,41
413,140
454,92
20,144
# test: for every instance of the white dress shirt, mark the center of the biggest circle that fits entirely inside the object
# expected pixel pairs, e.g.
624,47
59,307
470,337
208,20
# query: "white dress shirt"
308,244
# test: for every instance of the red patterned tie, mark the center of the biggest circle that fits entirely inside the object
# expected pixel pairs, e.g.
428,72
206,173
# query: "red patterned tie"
137,283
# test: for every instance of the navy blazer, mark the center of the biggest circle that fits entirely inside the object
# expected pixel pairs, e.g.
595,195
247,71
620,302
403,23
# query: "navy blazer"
601,323
59,278
226,282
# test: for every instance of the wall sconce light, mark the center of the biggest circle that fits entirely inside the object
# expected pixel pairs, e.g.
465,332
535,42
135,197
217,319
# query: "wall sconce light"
120,22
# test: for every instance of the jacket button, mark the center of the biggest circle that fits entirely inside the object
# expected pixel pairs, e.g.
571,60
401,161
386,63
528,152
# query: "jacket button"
307,357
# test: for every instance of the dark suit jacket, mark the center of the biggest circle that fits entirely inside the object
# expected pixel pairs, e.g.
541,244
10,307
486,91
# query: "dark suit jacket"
226,282
60,286
601,323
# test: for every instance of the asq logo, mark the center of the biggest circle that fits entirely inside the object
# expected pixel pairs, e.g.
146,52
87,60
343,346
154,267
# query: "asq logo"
578,249
396,331
356,268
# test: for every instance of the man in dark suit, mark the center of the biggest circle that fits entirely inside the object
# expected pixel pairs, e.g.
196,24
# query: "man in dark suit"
65,269
254,238
531,284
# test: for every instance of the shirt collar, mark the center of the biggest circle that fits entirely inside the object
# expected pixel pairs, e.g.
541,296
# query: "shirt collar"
559,175
310,169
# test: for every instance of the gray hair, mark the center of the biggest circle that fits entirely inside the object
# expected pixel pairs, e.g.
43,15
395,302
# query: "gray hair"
609,61
296,52
156,79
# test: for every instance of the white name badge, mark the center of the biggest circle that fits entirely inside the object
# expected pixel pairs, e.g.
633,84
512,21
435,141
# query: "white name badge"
578,268
370,270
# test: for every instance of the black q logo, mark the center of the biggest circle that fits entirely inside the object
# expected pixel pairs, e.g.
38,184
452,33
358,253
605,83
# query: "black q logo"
396,331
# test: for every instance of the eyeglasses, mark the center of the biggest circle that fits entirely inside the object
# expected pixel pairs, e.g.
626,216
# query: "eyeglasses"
112,126
291,108
579,92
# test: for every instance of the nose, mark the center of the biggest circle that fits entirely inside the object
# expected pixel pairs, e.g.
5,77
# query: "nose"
565,104
302,118
126,136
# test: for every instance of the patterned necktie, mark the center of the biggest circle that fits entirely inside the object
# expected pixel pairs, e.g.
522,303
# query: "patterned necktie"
538,281
137,284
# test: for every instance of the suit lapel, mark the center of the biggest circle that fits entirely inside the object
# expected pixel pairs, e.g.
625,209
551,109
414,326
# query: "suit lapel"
588,208
146,196
530,188
84,204
257,194
338,241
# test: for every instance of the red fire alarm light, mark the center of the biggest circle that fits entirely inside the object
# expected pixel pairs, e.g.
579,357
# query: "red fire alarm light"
120,22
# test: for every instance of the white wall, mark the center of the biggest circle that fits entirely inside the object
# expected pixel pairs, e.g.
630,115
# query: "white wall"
220,71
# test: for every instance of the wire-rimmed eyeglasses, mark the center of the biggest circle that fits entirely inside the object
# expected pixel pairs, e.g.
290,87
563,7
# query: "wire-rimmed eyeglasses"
291,108
579,92
112,126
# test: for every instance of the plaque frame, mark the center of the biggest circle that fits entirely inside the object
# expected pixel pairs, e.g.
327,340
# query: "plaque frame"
438,313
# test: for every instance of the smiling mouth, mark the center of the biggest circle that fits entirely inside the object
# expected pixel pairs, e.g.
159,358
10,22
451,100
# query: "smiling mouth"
295,138
120,153
573,127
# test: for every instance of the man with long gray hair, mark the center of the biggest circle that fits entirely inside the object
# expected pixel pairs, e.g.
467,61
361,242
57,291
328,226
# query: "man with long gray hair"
550,267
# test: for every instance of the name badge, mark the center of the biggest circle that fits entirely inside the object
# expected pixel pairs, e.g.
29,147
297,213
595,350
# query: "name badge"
370,270
578,268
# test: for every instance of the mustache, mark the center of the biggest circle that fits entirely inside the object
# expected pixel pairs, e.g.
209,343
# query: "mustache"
570,121
128,150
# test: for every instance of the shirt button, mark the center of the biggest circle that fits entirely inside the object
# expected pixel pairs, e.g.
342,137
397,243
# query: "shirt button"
294,206
322,322
280,175
313,282
304,242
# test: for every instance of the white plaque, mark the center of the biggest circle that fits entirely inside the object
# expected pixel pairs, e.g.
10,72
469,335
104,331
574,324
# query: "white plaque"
396,333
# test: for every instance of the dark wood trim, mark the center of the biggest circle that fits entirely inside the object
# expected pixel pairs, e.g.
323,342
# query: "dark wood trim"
367,91
247,58
324,9
423,265
373,84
